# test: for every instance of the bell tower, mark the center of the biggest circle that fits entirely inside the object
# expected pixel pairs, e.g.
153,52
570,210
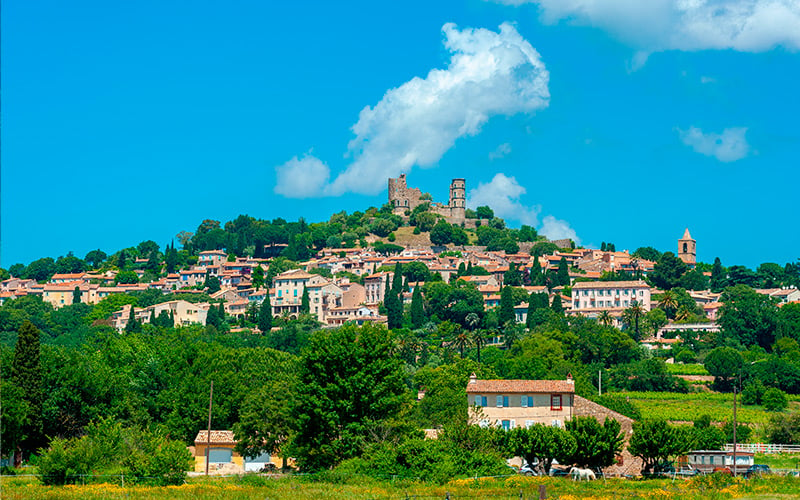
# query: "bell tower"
687,249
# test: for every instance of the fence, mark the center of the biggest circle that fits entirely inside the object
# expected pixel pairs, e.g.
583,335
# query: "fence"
764,448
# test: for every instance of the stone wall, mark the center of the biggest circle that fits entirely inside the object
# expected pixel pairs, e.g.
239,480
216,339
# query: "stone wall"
629,465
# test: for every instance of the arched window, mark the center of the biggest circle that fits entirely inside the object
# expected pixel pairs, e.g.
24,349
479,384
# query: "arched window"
685,247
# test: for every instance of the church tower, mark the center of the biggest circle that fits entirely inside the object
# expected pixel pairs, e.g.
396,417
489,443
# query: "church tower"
687,249
458,201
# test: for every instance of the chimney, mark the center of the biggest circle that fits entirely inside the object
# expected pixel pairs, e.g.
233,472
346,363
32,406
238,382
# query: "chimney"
569,378
473,378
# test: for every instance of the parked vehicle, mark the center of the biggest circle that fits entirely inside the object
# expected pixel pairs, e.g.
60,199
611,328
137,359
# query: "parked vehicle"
757,470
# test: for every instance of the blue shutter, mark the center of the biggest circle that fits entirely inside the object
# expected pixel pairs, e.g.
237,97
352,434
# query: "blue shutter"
505,401
485,401
524,401
499,401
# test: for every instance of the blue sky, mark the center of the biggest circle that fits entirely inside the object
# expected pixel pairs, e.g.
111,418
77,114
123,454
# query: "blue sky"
617,121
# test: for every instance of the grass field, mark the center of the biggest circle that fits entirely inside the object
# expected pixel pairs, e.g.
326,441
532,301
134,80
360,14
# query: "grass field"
513,487
687,369
688,407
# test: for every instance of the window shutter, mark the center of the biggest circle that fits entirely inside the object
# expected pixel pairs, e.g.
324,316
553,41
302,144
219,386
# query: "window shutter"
485,401
505,401
524,401
499,401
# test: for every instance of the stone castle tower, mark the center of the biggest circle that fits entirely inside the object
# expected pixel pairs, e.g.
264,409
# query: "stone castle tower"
687,249
403,198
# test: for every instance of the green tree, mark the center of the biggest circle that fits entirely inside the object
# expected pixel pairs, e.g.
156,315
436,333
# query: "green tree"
417,310
132,325
258,277
656,442
774,400
597,445
556,305
506,314
265,421
706,436
512,277
647,253
748,317
265,316
632,317
305,302
76,295
542,443
718,278
442,233
95,257
394,311
724,363
26,374
563,272
350,388
667,271
484,212
126,277
212,284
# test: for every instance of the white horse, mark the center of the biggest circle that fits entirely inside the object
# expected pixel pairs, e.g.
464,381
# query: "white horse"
579,474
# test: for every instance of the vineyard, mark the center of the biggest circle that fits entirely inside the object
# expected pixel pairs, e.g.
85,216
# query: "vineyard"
689,407
687,369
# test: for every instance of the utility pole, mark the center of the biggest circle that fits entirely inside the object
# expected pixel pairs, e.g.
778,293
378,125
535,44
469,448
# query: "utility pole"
208,436
734,423
599,383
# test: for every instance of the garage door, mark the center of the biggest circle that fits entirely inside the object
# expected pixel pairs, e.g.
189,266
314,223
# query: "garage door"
220,455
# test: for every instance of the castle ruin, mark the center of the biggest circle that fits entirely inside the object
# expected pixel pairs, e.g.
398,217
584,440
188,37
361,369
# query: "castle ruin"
404,198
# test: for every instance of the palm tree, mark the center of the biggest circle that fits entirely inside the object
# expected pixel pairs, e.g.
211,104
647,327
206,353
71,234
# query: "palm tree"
479,339
682,314
461,341
605,319
471,320
634,314
668,302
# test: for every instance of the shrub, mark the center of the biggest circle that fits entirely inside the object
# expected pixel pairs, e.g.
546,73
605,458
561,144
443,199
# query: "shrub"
774,400
109,450
391,237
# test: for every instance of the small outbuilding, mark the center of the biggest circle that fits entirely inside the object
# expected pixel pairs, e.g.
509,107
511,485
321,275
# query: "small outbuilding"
708,460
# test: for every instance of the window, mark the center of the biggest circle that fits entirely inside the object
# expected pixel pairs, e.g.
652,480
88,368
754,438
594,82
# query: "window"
507,425
295,292
556,423
280,292
529,423
555,402
480,401
502,401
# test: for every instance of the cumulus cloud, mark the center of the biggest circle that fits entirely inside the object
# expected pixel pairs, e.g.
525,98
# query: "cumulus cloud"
501,151
489,74
657,25
503,194
304,177
730,145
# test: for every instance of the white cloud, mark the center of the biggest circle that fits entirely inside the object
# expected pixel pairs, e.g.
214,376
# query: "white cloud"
415,124
657,25
730,145
501,151
304,177
502,194
556,229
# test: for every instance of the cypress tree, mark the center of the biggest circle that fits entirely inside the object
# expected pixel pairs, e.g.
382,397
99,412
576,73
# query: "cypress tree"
76,295
26,373
506,313
397,281
563,272
132,325
717,276
265,316
533,305
305,302
556,306
417,310
394,311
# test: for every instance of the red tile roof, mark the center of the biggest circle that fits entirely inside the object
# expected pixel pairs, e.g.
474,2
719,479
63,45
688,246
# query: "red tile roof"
521,386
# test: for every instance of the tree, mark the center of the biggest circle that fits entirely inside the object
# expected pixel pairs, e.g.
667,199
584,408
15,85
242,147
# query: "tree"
597,446
506,314
512,277
724,363
605,319
631,317
265,316
305,302
484,212
748,317
536,301
442,233
40,269
26,374
462,340
265,424
563,272
212,284
655,442
556,305
76,295
417,310
350,387
95,257
394,310
258,277
542,443
667,271
789,321
478,339
647,253
132,325
774,400
706,436
126,277
717,281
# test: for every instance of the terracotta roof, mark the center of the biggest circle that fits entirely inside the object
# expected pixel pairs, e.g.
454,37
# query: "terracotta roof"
610,284
217,437
521,386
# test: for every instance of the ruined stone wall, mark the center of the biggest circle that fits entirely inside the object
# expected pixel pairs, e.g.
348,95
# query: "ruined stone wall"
630,465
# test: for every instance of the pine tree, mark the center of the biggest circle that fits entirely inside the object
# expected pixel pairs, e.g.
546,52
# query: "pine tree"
417,310
26,373
506,313
305,302
265,316
563,272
